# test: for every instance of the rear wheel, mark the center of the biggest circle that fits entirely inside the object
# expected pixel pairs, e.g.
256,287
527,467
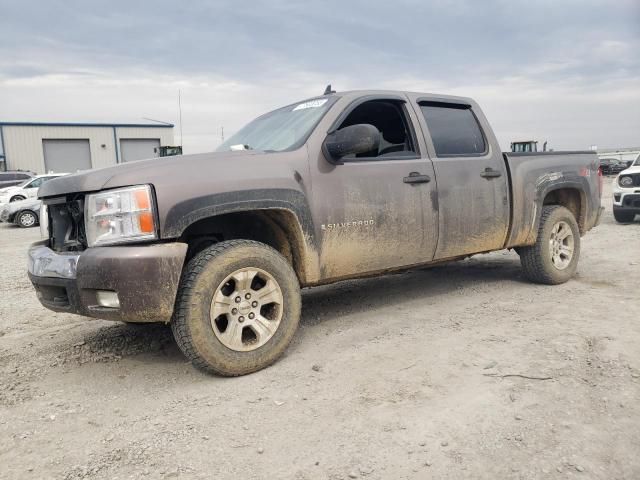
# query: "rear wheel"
26,219
623,216
237,309
553,259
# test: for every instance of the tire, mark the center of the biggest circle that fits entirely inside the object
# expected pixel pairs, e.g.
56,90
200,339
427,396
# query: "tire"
622,216
26,219
217,345
17,198
541,262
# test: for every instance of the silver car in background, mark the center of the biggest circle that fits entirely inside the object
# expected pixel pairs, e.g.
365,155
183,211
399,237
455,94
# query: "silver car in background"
24,213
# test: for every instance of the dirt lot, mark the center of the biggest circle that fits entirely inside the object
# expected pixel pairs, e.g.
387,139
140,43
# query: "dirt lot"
405,376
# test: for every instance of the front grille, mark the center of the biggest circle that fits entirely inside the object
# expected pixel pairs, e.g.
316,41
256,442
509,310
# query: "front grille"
631,201
66,223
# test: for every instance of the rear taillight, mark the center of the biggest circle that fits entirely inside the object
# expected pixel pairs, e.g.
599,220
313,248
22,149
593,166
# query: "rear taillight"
600,181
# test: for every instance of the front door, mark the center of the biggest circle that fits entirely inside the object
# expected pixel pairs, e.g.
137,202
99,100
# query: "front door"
375,211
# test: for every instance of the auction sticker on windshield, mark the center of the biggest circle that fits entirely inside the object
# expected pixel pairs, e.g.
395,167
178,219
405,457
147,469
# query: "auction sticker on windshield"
310,104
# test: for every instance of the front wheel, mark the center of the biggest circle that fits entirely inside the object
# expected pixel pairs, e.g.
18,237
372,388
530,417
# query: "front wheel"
26,219
237,308
553,259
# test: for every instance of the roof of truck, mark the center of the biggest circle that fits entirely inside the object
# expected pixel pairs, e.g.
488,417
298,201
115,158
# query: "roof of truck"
435,96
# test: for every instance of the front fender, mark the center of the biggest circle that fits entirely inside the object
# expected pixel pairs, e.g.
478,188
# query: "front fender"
187,212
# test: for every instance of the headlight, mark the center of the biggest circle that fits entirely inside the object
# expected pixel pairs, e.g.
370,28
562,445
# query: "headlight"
120,215
625,181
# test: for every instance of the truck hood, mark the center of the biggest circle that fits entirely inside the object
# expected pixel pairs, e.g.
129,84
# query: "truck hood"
143,172
630,170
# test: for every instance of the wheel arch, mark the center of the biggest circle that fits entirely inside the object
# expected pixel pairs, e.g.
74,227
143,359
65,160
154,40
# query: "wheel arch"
569,194
572,198
16,216
278,227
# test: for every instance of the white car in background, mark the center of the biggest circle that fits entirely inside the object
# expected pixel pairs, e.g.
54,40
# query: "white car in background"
24,213
27,189
626,193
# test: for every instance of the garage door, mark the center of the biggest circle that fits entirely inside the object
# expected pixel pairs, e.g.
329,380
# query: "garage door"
139,148
66,156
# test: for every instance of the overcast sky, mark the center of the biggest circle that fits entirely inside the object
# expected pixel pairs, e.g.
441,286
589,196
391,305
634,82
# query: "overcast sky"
558,70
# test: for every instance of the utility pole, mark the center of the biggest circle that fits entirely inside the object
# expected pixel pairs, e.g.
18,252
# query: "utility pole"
222,134
180,115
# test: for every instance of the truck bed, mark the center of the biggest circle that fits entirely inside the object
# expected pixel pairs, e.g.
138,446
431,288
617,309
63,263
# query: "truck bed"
549,171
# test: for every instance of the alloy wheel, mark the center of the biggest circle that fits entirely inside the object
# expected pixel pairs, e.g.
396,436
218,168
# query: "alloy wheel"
561,245
246,309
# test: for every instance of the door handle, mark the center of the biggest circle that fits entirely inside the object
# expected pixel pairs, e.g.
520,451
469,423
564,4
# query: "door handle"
416,177
490,173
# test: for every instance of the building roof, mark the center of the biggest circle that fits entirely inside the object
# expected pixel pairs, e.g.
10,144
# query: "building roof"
68,124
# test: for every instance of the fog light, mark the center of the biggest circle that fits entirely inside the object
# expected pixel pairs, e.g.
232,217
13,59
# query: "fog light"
107,298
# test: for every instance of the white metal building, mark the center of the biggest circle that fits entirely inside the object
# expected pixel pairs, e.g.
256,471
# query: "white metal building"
69,147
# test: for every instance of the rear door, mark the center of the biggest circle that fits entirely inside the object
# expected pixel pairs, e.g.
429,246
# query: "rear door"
473,194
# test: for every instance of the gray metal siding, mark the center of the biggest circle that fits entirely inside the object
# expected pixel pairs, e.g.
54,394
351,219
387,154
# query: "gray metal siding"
66,156
24,151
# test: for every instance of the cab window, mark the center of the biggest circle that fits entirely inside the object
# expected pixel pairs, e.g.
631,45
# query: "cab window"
389,117
454,129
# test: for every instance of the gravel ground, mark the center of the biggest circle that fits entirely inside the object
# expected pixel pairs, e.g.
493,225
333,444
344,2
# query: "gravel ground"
416,375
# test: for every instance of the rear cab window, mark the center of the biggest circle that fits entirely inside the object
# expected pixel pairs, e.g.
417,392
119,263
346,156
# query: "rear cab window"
454,129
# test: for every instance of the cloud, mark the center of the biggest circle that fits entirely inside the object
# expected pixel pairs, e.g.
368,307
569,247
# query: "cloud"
564,71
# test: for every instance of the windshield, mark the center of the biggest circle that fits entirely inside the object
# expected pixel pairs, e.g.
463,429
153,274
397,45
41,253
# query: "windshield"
637,162
22,184
284,129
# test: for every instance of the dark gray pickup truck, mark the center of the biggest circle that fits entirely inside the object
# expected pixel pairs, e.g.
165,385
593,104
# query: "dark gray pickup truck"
339,186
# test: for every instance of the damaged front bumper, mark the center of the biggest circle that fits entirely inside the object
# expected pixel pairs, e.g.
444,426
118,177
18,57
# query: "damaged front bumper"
127,283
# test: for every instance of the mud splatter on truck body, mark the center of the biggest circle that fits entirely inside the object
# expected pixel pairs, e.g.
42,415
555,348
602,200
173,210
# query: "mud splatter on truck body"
419,195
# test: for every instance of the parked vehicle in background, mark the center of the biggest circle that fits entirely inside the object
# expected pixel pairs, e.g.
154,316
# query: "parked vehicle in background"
611,166
527,146
27,189
169,151
24,213
339,186
626,194
12,178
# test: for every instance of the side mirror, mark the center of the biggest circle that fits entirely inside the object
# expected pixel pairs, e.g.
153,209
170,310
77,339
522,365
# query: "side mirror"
349,140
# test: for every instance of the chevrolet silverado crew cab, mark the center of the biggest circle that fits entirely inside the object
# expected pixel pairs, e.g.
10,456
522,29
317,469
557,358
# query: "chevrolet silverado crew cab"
340,186
626,193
